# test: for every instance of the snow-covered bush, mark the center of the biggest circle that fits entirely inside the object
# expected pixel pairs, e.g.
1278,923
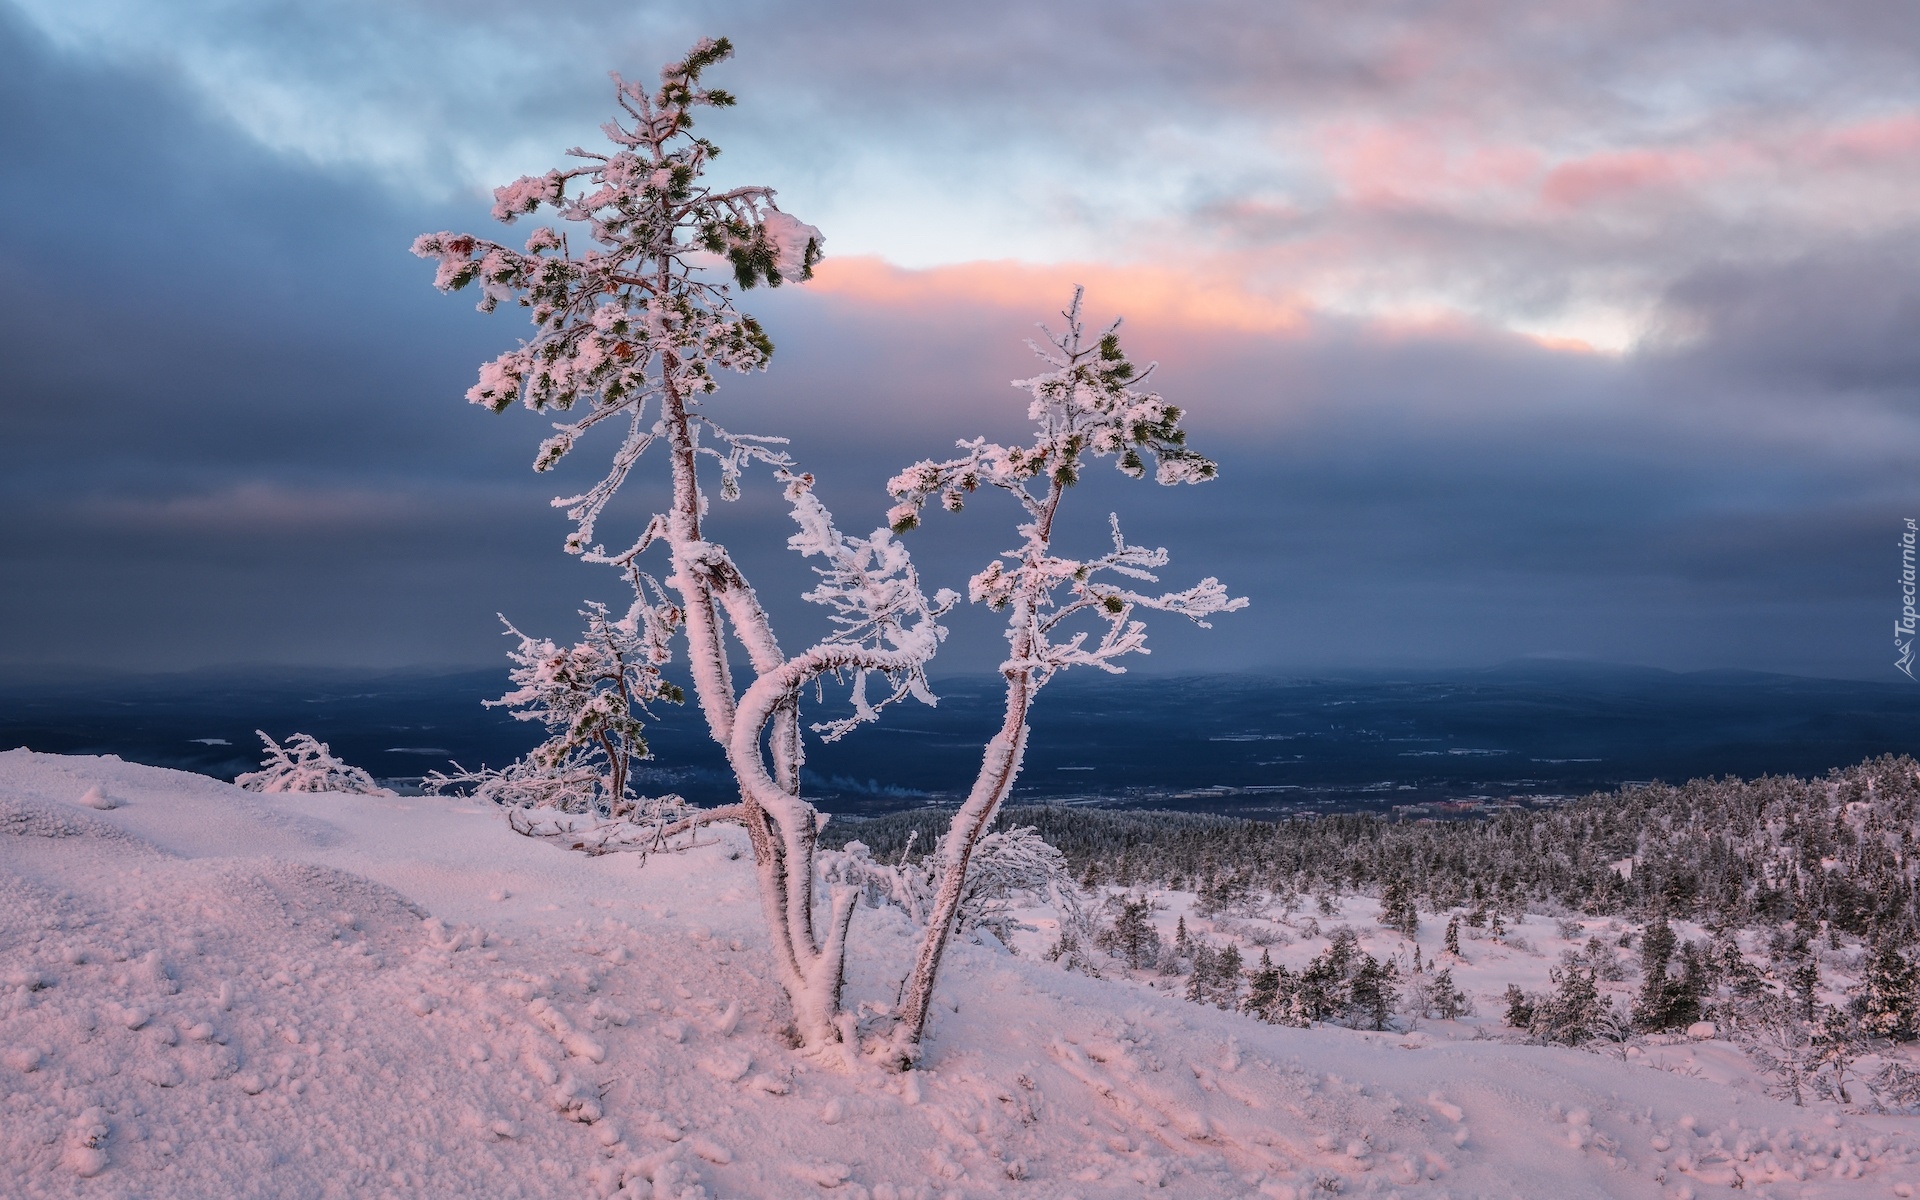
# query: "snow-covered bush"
306,764
589,696
1009,867
1573,1013
522,783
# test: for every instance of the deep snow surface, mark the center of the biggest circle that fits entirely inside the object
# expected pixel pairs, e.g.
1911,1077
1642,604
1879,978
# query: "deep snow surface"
207,993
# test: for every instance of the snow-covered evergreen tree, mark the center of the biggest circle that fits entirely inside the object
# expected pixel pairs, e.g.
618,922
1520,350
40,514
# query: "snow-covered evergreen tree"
589,696
1371,993
1087,405
1132,937
1887,1000
306,764
1397,911
1519,1011
1444,999
1653,1008
633,334
1264,990
631,330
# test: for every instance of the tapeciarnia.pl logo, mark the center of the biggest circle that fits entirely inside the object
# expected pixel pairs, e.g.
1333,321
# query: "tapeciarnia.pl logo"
1903,628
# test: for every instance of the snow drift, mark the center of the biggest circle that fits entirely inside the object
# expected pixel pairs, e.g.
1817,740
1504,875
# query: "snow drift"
211,992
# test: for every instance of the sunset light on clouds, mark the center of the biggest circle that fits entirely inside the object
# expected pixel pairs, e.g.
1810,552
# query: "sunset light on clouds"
1593,323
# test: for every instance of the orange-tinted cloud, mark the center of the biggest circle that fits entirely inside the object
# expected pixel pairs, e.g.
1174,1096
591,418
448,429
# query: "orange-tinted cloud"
1194,298
1205,298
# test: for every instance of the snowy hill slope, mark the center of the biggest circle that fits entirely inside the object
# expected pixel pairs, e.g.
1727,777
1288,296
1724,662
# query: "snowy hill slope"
206,992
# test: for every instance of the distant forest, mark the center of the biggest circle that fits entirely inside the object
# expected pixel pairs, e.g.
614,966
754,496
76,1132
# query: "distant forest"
1726,852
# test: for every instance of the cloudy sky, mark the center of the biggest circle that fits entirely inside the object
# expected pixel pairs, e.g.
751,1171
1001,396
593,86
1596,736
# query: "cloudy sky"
1587,329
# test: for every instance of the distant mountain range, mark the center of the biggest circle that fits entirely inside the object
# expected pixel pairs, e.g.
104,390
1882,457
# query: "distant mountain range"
1246,744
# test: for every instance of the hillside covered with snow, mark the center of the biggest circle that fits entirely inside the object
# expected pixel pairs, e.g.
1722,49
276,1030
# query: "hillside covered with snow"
211,992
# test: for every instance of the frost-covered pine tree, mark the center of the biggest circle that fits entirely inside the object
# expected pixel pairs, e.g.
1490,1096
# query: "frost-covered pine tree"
306,764
1132,937
1573,1012
1087,405
1397,911
1371,992
1652,1008
632,333
1263,990
1887,999
1445,1000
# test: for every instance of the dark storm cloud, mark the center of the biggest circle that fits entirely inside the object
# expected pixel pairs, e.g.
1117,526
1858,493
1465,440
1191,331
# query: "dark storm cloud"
235,432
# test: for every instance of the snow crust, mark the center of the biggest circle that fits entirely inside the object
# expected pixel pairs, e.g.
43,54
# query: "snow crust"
211,992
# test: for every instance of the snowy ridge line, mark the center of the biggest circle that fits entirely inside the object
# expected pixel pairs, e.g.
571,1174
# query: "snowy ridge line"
203,1006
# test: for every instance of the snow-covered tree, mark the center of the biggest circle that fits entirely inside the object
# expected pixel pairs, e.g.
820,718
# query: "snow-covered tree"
1132,937
1653,1008
306,764
1573,1012
589,696
1264,990
1887,1001
1010,866
1444,999
1397,911
632,333
1088,405
1371,992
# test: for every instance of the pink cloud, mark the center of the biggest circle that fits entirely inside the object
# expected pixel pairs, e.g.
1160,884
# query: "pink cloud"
1598,178
1198,298
1206,301
1868,143
1419,163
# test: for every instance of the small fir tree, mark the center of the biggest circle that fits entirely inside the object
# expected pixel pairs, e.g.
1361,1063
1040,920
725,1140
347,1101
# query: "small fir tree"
1263,991
1652,1009
1445,1000
590,696
1804,984
1520,1007
1887,1001
1132,938
1227,972
1371,993
1200,982
1397,911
